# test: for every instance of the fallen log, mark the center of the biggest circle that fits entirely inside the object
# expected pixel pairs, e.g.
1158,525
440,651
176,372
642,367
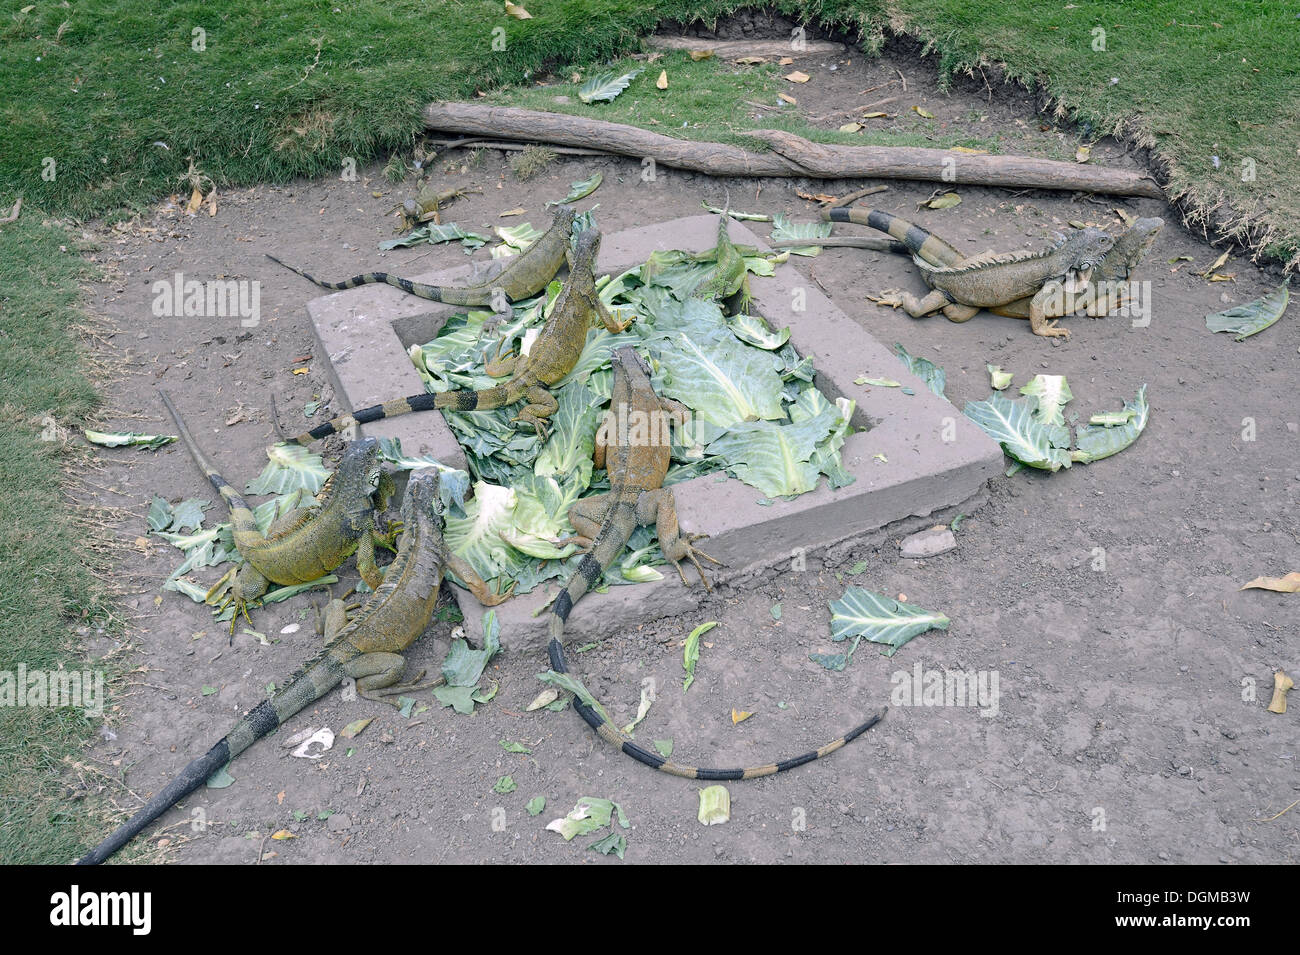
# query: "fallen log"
790,155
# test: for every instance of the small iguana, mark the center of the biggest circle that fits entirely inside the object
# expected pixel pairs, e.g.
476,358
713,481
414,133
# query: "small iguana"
1101,294
729,275
524,275
631,446
366,647
992,280
551,357
307,542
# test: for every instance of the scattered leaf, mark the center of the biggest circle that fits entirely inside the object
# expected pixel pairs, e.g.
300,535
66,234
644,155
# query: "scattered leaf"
1092,443
580,189
354,729
512,747
698,55
1253,317
786,97
1218,264
535,805
850,127
518,12
880,619
798,76
283,834
945,201
606,87
877,382
614,843
545,698
999,379
664,748
715,805
1083,154
1053,394
691,654
1290,584
118,439
739,716
662,82
1016,427
923,113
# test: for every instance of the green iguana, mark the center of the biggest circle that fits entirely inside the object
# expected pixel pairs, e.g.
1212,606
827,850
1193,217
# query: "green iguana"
991,280
1101,294
729,275
551,357
634,447
526,274
307,542
366,647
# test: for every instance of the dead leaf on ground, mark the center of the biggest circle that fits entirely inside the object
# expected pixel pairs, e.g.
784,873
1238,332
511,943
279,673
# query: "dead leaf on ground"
877,114
798,76
1126,217
1290,584
750,60
739,716
1218,264
945,201
196,200
787,98
815,196
512,212
662,82
283,834
698,55
850,127
518,12
785,61
923,113
968,151
1083,154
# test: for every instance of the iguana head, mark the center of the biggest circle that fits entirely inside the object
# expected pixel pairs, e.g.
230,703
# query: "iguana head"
563,217
1130,248
360,471
1086,249
586,246
422,498
629,362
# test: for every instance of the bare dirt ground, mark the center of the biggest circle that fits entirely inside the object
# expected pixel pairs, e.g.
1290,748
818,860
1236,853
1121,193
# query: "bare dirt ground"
1122,734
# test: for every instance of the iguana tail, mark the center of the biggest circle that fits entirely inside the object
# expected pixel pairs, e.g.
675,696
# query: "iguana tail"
310,683
435,293
241,515
607,731
913,238
484,400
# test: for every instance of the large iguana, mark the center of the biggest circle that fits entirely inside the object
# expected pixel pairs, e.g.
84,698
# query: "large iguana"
307,542
551,357
526,274
634,447
1102,293
729,274
366,646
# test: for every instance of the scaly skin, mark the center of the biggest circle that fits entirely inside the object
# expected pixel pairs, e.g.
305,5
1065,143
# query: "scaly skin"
1101,294
963,286
525,275
635,447
551,357
366,647
308,542
729,275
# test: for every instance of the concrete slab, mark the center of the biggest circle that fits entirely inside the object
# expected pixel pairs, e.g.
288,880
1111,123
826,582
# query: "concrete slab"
933,456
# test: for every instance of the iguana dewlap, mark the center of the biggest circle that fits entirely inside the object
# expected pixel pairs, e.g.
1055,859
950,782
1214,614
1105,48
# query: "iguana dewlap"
365,646
637,459
551,357
524,275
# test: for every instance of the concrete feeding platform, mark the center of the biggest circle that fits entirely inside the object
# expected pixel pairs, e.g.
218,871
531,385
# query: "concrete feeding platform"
935,457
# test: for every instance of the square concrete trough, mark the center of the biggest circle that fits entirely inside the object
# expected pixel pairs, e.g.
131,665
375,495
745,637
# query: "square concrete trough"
935,456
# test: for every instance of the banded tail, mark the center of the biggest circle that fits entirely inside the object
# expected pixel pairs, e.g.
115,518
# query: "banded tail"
913,238
313,681
241,515
434,293
607,731
485,400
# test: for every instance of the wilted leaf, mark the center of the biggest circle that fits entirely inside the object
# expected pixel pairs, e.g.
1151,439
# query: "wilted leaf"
664,747
998,378
691,653
353,729
581,188
518,12
1218,264
512,747
662,82
607,86
1053,394
1092,443
290,467
698,55
923,113
1290,584
880,619
1253,317
798,77
1023,437
647,698
786,97
535,805
739,716
783,229
613,843
221,779
1083,154
850,127
283,834
945,201
877,382
750,60
505,785
934,377
877,114
545,698
590,813
118,439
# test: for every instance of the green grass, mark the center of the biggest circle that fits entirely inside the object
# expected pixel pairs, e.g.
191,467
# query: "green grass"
47,581
103,103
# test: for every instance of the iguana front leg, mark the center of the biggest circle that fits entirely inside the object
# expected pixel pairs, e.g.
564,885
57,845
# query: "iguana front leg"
586,516
500,367
933,302
1038,322
541,405
369,570
476,584
659,507
607,318
238,588
373,672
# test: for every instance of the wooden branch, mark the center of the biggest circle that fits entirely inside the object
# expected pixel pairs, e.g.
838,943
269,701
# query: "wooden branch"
728,49
790,155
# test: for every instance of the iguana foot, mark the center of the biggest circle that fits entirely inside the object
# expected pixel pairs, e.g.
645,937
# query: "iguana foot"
1050,330
488,599
691,554
890,297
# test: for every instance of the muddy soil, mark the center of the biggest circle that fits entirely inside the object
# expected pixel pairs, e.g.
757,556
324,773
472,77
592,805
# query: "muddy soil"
1104,598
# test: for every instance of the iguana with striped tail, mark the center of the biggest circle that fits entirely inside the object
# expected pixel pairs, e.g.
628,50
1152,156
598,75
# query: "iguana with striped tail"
365,646
551,357
1040,286
1101,294
524,275
634,446
307,542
